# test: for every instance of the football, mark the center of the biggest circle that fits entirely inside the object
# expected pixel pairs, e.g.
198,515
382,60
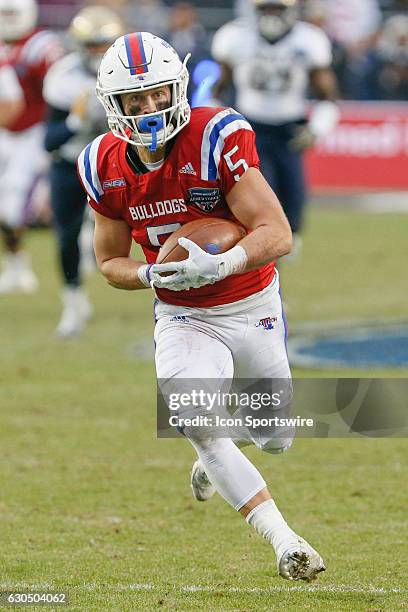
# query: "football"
212,235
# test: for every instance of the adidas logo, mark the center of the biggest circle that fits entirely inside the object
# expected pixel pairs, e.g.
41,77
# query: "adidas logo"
188,169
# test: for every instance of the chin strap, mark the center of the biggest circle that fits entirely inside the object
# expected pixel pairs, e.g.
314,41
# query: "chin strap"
151,125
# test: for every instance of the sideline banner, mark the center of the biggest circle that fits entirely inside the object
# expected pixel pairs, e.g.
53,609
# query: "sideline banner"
367,151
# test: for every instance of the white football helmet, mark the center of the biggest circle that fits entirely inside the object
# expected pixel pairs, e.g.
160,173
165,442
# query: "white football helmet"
276,17
139,62
94,26
17,18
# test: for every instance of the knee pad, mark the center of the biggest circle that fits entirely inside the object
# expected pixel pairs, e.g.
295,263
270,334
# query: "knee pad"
275,446
200,426
197,419
273,441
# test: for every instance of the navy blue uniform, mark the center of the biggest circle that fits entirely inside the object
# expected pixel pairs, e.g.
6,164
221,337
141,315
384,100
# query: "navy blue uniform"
65,83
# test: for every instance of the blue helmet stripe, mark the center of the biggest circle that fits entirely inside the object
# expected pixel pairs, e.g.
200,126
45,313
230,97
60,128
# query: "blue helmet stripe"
142,50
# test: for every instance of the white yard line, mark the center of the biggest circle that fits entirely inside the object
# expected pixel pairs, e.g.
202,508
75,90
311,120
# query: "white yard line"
288,589
339,588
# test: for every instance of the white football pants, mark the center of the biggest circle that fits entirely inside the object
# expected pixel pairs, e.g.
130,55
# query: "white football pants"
22,160
246,339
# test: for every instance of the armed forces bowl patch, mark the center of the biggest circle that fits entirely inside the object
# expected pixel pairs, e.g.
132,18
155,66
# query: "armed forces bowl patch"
205,198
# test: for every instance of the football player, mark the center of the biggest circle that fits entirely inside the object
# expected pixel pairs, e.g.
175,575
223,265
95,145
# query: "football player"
11,94
272,60
74,118
391,62
162,166
22,158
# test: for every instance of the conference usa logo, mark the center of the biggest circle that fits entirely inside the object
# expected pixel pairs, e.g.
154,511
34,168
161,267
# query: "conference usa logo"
119,182
267,323
205,198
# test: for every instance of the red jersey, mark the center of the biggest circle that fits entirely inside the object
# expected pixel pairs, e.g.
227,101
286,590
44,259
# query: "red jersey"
3,55
10,89
206,160
31,57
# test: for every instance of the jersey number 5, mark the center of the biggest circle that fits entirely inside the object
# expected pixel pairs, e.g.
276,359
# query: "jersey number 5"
233,166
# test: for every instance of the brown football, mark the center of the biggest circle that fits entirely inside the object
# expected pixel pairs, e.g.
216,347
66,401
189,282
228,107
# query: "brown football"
212,235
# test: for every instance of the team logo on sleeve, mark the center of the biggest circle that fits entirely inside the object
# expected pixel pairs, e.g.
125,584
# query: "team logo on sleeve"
205,198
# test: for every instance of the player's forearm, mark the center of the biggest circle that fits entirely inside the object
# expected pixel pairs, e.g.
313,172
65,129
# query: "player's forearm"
9,111
266,244
122,273
221,86
324,84
256,206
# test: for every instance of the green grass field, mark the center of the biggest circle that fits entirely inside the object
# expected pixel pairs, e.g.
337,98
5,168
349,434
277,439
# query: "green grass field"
93,504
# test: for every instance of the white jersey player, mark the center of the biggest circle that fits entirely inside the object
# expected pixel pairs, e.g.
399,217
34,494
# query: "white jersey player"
273,59
68,85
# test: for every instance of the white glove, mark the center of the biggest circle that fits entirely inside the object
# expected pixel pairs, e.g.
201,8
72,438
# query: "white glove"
323,119
199,269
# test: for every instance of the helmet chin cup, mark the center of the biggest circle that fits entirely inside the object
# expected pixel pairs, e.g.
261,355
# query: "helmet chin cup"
151,125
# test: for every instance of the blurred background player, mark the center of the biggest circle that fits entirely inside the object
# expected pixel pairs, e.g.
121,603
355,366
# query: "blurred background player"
390,66
352,26
75,117
30,52
187,35
11,94
272,59
144,15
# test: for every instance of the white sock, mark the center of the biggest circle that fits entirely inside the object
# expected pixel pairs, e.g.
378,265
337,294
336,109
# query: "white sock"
270,524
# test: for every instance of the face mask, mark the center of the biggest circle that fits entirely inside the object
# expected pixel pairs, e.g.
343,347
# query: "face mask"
272,26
